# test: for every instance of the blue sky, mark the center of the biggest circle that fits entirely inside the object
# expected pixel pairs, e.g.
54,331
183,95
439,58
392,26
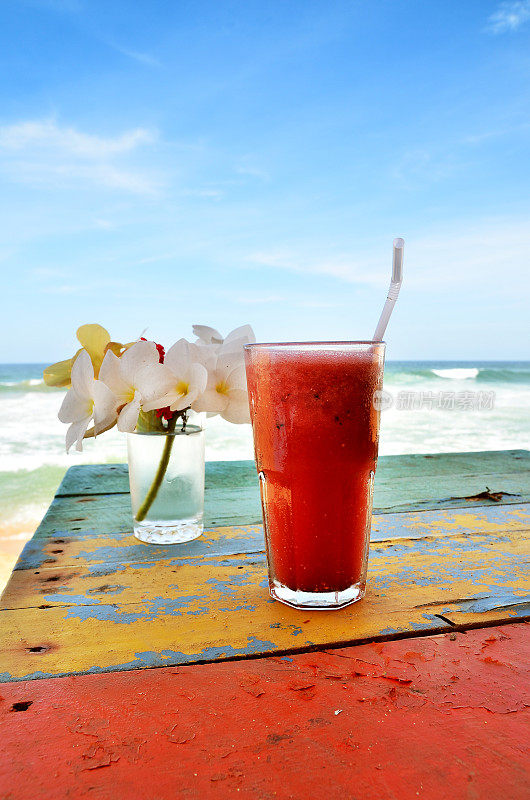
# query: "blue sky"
228,162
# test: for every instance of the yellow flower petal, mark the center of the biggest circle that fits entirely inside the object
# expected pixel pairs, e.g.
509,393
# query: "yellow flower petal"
94,338
96,341
91,432
115,347
59,374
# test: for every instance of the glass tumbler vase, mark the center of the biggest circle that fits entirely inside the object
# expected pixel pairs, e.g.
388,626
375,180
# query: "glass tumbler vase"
166,476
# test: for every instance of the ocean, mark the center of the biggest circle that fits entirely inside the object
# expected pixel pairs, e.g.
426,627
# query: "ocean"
428,407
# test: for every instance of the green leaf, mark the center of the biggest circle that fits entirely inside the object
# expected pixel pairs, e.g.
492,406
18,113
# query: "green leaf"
148,422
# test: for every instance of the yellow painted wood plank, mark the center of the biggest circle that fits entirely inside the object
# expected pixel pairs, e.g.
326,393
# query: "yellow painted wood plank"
97,570
102,547
211,608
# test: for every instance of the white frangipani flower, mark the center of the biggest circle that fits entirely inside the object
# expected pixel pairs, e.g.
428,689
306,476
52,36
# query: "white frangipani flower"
87,399
184,377
207,335
226,390
236,338
239,337
205,354
133,378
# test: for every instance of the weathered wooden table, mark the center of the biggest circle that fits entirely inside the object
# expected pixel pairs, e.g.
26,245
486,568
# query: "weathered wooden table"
139,671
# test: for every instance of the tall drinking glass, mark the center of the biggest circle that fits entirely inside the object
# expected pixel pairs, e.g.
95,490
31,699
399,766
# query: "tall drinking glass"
316,432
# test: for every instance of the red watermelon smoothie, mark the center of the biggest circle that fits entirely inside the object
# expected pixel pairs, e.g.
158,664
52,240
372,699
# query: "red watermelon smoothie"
316,431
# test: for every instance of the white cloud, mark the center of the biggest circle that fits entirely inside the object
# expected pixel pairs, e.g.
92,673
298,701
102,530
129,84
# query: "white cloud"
473,256
423,167
344,267
489,254
47,272
142,58
63,289
258,298
47,134
253,171
509,16
294,300
156,258
43,152
213,194
496,133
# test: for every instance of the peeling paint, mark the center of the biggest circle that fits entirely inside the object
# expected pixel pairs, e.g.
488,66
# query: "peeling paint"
428,571
380,720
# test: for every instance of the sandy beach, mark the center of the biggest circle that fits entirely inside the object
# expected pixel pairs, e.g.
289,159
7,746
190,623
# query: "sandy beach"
12,541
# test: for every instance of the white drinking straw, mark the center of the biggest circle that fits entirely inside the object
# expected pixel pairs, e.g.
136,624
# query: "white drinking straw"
395,286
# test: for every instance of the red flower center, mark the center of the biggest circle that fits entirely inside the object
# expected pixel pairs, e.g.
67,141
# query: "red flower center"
166,413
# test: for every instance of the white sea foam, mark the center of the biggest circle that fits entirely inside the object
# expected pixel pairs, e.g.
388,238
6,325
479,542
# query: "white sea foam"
33,437
22,384
457,374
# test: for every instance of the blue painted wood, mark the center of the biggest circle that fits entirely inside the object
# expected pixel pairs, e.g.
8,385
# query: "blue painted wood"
403,483
107,520
113,478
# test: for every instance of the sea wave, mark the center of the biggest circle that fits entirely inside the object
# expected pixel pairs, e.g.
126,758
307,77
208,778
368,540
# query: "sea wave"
28,385
480,374
457,374
14,380
503,375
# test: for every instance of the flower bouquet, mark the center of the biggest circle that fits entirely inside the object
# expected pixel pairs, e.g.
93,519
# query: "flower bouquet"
158,398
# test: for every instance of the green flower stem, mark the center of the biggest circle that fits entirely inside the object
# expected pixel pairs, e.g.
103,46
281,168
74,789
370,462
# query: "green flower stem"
160,473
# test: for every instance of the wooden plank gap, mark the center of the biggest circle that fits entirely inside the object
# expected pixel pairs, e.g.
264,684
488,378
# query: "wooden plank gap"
445,504
153,560
443,534
449,601
92,494
449,621
447,627
390,637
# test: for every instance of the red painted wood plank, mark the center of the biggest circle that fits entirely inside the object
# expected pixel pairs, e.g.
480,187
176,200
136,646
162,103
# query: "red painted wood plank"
432,717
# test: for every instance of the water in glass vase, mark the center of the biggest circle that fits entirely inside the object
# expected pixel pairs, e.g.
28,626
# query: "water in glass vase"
166,476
